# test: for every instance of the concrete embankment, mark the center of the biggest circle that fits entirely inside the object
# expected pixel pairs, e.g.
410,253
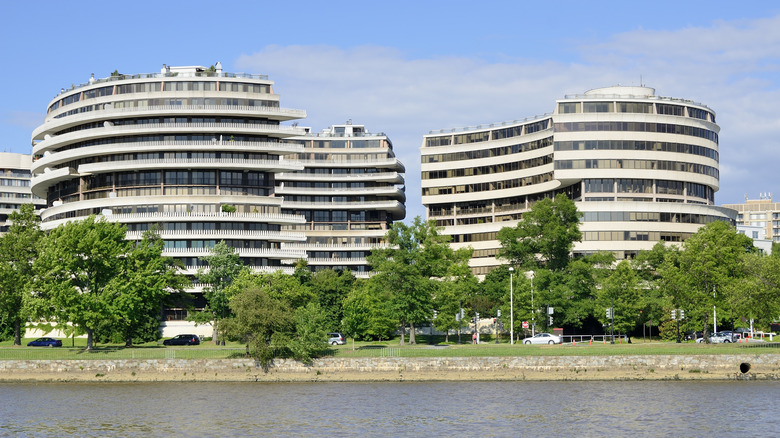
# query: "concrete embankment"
670,367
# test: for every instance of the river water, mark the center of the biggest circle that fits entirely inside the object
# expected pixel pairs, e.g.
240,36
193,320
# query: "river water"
475,409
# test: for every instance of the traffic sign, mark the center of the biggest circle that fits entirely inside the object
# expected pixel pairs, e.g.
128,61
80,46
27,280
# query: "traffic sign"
525,324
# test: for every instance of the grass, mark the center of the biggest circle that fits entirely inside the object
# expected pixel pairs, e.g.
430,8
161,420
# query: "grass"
75,350
391,348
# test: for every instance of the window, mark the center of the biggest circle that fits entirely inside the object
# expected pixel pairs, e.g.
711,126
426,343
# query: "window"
568,108
597,107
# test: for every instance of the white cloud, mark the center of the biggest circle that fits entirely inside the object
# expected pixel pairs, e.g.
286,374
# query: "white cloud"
730,66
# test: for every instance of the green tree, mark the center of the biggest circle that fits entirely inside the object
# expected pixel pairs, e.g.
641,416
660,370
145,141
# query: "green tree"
144,283
310,333
621,292
367,312
544,237
263,323
224,265
75,273
708,264
18,251
756,294
331,288
417,255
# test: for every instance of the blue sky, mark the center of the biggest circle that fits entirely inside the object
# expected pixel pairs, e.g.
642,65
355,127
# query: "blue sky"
405,68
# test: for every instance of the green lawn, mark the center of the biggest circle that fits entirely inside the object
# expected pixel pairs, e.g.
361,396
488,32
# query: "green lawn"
208,350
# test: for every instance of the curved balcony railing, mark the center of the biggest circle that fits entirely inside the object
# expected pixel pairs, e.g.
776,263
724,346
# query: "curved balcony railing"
53,158
492,125
391,177
52,141
225,234
186,163
52,122
242,252
180,74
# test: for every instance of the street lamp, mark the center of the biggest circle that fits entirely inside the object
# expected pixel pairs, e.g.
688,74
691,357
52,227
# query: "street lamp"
533,311
511,308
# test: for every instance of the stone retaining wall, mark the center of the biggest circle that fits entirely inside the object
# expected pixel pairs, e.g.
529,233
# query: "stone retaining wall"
672,367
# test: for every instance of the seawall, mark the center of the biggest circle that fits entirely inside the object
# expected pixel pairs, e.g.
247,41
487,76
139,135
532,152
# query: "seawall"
655,367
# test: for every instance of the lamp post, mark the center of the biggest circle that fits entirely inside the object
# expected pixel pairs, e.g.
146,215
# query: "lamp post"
511,308
533,312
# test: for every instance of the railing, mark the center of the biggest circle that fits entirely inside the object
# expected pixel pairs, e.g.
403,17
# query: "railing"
55,116
490,126
248,163
291,218
632,96
204,74
229,233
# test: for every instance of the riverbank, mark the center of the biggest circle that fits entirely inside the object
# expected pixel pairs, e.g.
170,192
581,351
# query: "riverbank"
333,369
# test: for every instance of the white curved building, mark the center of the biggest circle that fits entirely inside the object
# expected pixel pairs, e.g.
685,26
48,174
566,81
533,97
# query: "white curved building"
350,191
192,150
641,168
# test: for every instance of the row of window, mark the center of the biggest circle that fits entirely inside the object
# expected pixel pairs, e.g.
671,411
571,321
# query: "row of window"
161,86
342,144
209,138
172,120
203,226
335,199
15,173
488,170
609,185
487,153
14,182
207,244
495,134
664,128
339,171
636,145
488,186
183,156
148,103
634,107
175,177
167,209
638,164
630,236
633,216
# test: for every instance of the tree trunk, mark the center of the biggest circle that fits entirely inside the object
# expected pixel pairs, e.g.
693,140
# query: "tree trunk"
403,333
89,337
412,339
129,342
17,333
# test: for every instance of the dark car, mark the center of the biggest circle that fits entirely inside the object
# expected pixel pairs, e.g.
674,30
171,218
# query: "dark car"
45,342
183,340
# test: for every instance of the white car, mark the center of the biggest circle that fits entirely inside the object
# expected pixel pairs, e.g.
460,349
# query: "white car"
543,338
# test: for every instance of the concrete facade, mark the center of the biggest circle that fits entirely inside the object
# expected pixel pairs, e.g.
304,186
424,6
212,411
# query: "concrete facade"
641,168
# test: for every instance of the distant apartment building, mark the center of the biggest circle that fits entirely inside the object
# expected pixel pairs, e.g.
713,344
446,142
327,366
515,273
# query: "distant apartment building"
204,155
641,168
15,190
760,213
350,191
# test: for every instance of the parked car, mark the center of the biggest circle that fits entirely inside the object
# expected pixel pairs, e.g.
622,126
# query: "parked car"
45,342
718,338
336,339
183,340
543,338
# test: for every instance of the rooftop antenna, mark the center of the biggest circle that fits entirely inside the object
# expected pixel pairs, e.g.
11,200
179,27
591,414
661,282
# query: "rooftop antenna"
641,84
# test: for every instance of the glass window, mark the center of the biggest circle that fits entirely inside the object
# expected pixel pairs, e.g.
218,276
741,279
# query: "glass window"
597,107
568,108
